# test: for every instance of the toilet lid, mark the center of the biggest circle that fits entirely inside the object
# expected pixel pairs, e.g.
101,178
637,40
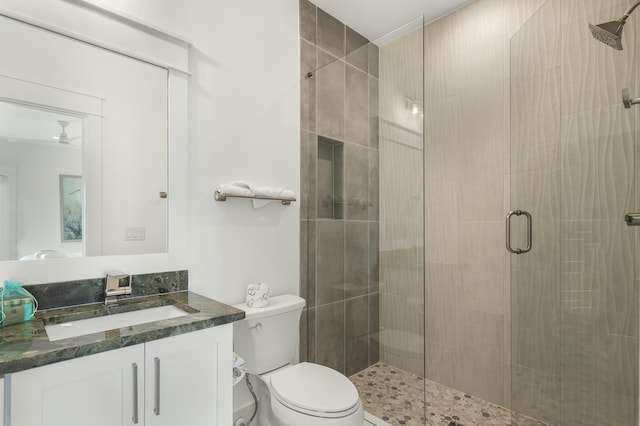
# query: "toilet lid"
314,388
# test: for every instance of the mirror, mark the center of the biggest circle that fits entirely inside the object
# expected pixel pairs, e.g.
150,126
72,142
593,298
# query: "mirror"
83,149
45,147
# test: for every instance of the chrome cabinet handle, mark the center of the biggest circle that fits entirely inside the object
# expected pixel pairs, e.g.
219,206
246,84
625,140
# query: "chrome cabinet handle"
529,231
156,405
134,366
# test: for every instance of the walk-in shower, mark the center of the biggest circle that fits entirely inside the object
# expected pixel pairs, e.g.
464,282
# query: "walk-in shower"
410,290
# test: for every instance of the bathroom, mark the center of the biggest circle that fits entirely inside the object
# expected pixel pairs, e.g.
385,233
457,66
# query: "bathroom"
471,110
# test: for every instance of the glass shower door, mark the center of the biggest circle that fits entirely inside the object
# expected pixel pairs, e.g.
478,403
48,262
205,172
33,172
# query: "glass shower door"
574,325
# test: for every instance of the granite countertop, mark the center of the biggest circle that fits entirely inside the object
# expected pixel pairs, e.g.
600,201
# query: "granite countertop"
26,345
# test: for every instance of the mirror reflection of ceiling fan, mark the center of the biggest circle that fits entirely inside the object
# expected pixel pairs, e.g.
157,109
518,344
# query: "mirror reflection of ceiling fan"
64,138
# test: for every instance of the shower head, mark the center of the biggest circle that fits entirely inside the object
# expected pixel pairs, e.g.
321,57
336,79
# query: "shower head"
610,33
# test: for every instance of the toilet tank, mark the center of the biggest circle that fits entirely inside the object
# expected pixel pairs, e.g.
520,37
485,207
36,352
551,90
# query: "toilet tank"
268,337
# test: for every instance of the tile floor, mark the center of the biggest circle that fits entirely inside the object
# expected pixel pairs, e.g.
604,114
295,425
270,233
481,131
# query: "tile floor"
396,396
371,420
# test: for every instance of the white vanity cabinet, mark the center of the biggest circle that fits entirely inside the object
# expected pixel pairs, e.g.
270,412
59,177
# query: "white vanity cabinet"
93,390
189,379
1,401
184,379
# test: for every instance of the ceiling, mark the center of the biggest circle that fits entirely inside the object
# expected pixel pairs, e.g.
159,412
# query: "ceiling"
25,124
376,18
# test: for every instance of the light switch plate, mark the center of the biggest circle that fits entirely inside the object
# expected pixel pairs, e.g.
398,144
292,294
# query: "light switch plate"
135,233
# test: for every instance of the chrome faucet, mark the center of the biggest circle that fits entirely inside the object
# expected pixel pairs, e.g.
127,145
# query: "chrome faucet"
117,284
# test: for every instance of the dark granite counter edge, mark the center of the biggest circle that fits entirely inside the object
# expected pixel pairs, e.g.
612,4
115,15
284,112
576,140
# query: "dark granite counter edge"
210,313
65,354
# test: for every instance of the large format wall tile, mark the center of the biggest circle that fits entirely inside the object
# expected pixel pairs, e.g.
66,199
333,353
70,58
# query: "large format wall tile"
480,354
357,50
441,60
537,45
598,164
356,263
536,121
536,393
311,335
443,140
481,258
442,228
311,261
356,182
357,106
339,259
308,20
374,254
331,34
374,113
308,181
356,334
308,101
442,308
330,261
308,58
330,96
374,328
330,336
480,191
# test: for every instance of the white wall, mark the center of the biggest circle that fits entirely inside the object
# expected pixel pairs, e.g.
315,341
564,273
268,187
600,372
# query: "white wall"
243,123
38,168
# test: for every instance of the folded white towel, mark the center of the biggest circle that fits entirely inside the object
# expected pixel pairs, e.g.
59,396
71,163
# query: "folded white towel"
237,188
245,189
239,368
271,192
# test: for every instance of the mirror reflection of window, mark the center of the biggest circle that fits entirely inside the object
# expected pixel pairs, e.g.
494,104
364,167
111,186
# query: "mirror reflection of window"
41,145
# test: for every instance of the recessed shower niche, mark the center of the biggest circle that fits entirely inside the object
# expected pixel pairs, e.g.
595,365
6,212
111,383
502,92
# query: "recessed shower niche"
330,179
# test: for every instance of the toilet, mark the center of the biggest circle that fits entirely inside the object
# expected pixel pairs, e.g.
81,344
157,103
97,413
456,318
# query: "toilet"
296,394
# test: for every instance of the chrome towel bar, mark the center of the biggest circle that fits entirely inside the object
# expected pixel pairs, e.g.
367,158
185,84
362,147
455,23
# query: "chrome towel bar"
221,196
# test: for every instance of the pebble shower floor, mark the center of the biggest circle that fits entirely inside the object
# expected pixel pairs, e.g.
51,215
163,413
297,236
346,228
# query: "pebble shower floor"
396,397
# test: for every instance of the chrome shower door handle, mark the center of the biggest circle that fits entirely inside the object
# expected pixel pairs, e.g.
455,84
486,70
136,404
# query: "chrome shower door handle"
529,231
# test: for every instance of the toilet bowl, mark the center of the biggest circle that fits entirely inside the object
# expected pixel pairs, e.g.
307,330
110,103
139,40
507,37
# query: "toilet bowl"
304,394
313,395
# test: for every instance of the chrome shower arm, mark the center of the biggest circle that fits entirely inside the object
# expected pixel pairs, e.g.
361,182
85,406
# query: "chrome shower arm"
629,12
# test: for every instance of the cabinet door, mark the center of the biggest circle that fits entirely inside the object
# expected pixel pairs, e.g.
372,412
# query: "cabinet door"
1,401
188,379
94,390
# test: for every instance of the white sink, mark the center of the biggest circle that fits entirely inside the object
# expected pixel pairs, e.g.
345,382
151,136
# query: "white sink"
110,322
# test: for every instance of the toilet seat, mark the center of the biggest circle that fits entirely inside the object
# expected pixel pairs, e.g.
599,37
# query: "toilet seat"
315,390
